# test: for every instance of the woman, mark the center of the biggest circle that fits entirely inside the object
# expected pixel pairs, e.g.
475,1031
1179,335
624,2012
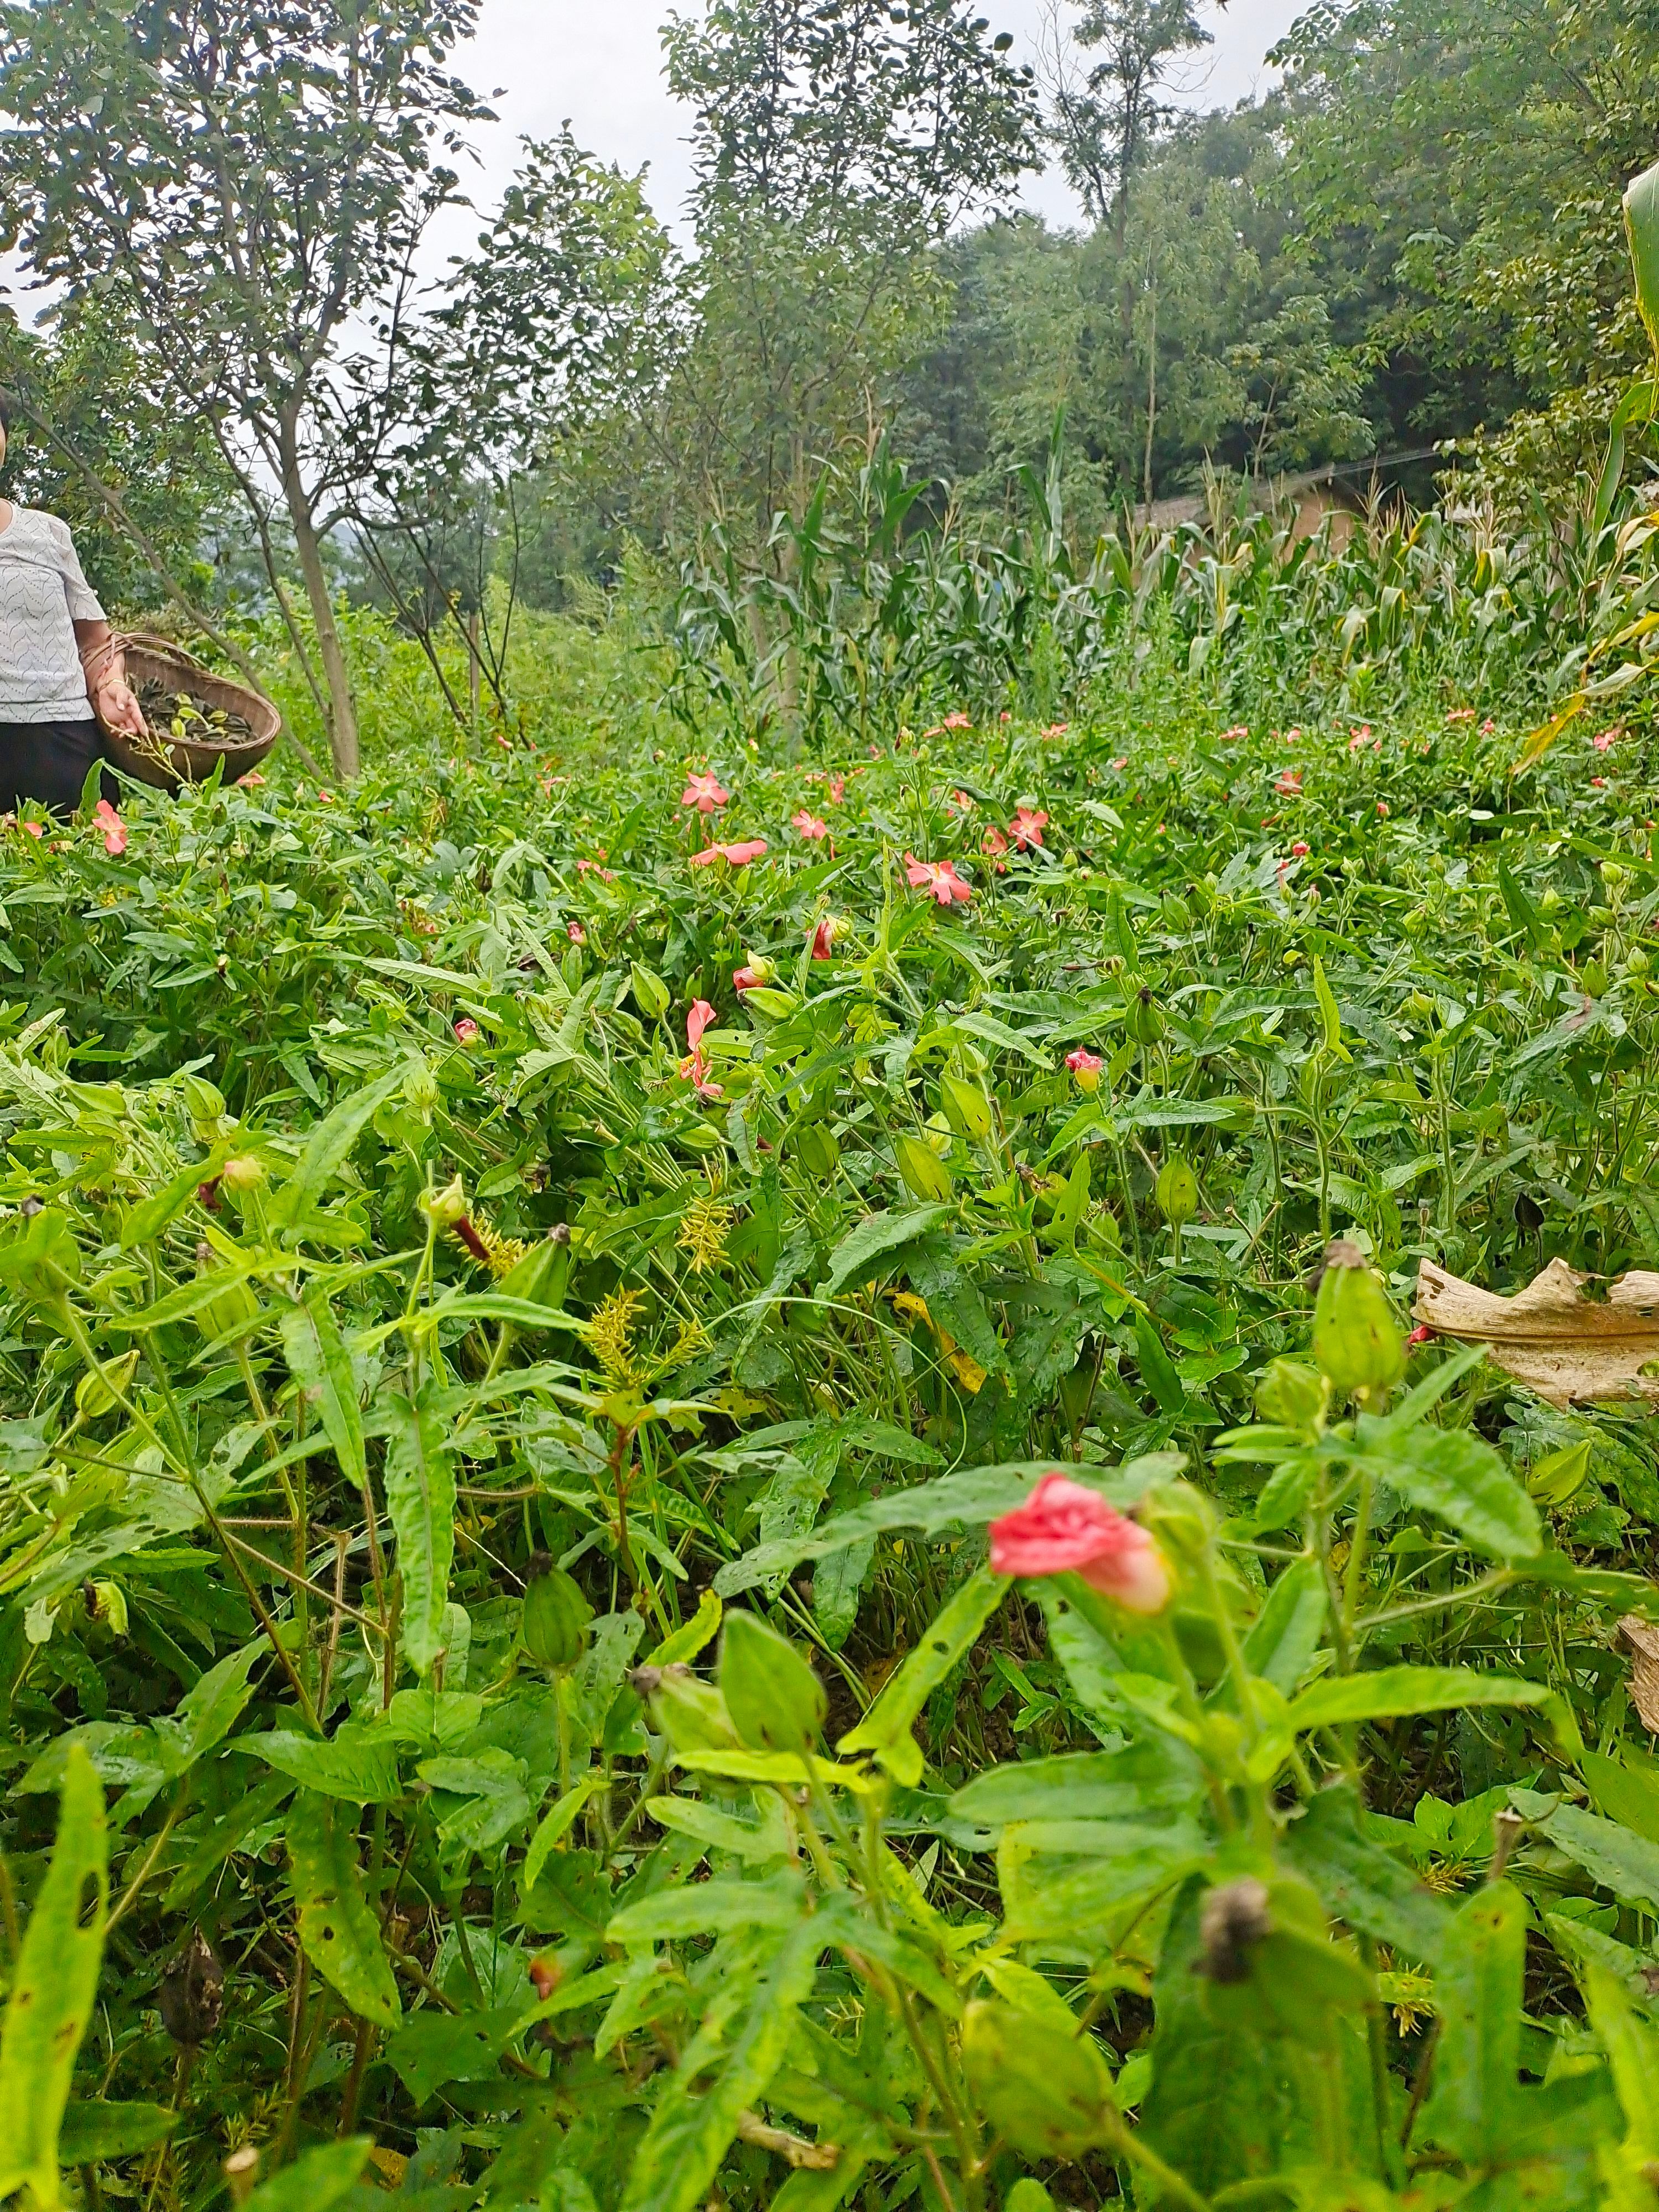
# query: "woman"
57,661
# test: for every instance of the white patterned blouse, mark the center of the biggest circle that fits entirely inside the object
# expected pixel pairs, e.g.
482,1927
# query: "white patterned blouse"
42,594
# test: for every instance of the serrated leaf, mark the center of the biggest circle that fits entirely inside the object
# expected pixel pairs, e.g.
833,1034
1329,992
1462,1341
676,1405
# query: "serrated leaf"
54,1988
321,1365
340,1934
420,1497
1463,1480
871,1240
885,1729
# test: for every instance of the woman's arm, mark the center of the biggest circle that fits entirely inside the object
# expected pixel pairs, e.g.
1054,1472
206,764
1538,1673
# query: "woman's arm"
106,678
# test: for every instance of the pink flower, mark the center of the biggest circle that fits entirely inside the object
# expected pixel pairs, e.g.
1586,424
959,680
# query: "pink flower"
704,793
1063,1529
592,868
1603,739
1122,762
735,856
1288,781
1056,729
1488,728
1085,1067
824,937
1597,783
1460,714
1027,828
1382,808
1421,1335
809,824
252,782
939,879
575,932
326,797
466,1031
960,802
114,829
957,721
994,844
1238,730
836,791
692,1068
1299,851
35,829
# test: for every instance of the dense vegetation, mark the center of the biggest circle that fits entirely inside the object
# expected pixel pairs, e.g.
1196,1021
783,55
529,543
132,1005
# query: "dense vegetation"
712,1488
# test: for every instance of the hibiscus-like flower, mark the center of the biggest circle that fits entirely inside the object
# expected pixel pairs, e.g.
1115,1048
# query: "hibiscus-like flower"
1065,1528
693,1067
735,856
466,1031
1027,828
808,823
939,879
1085,1067
704,793
114,829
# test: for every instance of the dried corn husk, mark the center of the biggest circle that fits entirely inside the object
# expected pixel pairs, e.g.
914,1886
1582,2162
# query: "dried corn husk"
1550,1336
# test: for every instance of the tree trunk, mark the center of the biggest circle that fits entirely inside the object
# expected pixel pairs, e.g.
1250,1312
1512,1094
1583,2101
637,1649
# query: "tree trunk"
342,714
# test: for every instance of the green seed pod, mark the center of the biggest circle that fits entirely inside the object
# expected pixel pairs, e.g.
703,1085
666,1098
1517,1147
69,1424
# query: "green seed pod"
651,994
94,1395
444,1208
235,1308
1593,977
555,1621
204,1102
1636,962
542,1273
1143,1021
817,1148
1355,1339
924,1175
1292,1394
1046,2091
965,1107
1176,1191
775,1700
691,1714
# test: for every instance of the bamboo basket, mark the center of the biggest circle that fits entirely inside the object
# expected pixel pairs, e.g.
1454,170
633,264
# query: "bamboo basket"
167,762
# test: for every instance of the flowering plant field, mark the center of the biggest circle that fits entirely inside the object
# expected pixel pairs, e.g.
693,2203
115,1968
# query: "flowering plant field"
713,1494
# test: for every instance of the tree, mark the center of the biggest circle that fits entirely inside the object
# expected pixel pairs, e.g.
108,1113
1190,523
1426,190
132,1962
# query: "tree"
252,181
1105,120
834,146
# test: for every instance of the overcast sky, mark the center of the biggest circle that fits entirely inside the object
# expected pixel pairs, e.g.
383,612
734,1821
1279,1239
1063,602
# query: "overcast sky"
599,62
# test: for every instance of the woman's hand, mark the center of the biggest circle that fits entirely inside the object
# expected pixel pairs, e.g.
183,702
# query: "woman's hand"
115,703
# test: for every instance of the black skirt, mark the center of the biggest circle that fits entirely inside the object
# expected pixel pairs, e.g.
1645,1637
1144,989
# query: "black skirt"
48,761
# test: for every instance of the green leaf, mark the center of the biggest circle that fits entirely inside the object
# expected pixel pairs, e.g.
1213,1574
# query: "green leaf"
558,1822
1632,2047
151,1215
329,1147
1390,1692
968,1499
321,1365
885,1728
1361,1883
435,2047
1642,235
1626,1863
54,1988
735,2053
709,1907
1157,1370
1330,1021
1454,1474
692,1637
94,2129
1286,1634
340,1934
882,1233
420,1496
357,1762
1478,1983
1149,1781
1628,1794
317,2181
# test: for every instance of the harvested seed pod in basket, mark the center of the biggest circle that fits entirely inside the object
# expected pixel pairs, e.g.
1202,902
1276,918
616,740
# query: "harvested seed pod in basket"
195,718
